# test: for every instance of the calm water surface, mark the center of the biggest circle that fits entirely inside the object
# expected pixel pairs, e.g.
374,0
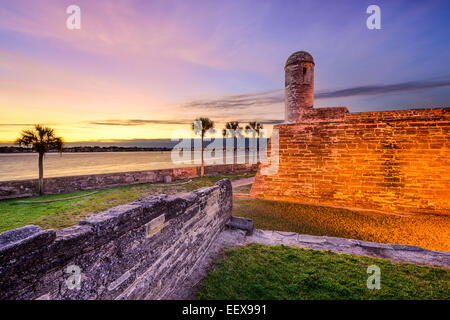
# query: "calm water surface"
25,165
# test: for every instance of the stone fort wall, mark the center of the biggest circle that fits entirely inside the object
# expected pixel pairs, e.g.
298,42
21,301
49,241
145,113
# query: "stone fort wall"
140,250
394,161
27,188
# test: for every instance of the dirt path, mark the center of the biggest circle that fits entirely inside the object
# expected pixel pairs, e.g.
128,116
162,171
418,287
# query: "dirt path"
235,184
242,182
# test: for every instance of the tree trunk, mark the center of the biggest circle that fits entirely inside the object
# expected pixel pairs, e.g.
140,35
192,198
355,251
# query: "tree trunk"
203,168
234,155
41,173
257,150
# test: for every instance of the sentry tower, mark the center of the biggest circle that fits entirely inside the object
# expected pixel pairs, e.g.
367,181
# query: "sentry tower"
299,86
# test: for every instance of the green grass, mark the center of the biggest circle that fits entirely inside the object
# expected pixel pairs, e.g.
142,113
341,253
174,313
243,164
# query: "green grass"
427,231
285,273
61,214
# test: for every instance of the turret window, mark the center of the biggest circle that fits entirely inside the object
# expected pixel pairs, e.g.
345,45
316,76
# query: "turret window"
306,74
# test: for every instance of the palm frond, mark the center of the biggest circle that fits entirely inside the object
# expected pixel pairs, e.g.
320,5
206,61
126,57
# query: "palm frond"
41,139
202,125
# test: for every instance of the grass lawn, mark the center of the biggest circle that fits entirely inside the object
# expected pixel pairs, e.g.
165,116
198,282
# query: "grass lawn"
427,231
279,272
61,214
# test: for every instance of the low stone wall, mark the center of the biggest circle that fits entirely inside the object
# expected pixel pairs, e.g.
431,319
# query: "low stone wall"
27,188
140,250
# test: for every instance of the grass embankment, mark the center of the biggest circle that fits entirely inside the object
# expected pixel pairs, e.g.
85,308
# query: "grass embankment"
279,272
427,231
61,214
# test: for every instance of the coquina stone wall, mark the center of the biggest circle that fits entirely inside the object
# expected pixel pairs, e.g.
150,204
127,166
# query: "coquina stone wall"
140,250
395,161
27,188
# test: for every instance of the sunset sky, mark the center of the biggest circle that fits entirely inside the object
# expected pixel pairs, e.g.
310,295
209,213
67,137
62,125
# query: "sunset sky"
140,69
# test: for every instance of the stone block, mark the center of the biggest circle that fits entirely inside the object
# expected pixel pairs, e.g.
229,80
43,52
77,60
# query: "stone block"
241,223
27,241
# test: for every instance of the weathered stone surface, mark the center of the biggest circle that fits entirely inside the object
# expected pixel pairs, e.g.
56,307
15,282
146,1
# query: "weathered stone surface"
177,206
310,239
23,244
241,223
115,220
137,251
18,234
299,86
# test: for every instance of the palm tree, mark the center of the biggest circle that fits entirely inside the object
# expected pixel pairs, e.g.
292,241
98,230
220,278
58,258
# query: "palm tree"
235,131
41,139
201,126
255,129
256,126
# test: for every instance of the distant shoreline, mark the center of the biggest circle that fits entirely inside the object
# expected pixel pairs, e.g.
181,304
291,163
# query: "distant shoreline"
155,145
9,150
88,149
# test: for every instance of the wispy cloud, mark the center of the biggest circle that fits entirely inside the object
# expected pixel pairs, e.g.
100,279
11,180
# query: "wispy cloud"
136,122
15,124
142,122
240,101
383,89
271,97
